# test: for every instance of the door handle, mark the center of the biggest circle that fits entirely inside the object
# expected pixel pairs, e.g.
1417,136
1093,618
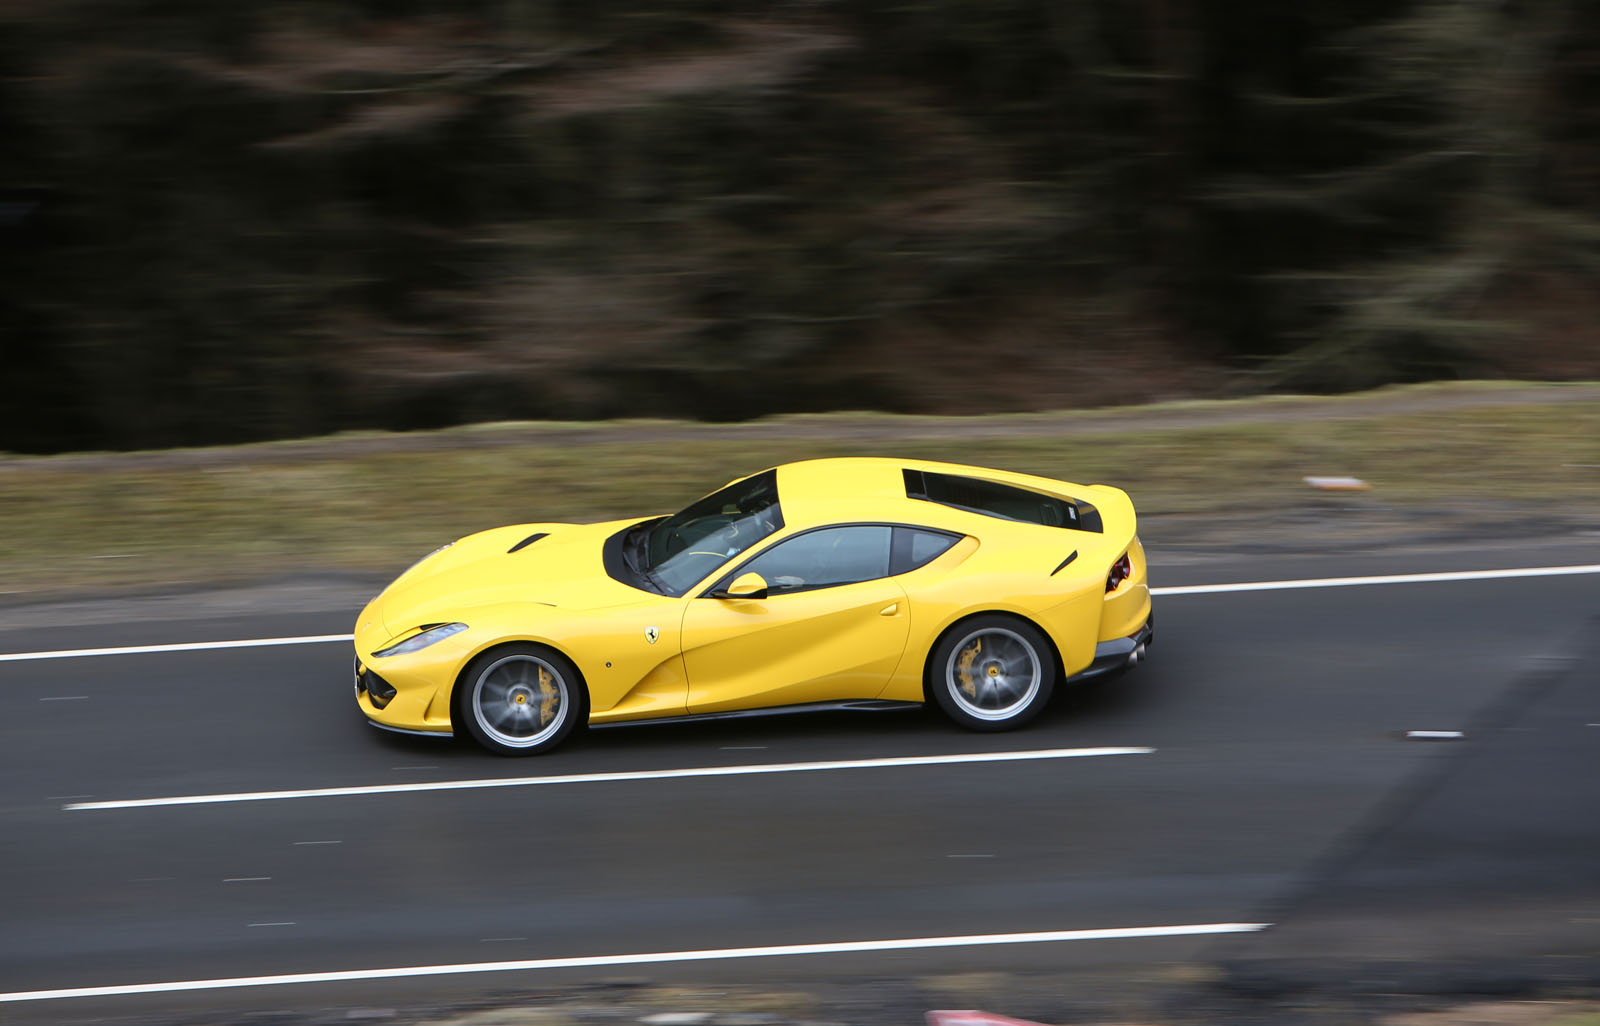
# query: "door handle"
891,609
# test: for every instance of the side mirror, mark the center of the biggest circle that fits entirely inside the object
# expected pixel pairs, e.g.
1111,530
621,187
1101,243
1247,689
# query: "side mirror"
745,586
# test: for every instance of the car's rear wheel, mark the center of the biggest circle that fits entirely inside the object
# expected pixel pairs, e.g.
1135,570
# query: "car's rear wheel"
992,672
521,699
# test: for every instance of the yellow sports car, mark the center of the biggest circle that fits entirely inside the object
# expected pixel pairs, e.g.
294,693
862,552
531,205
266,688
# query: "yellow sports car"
828,583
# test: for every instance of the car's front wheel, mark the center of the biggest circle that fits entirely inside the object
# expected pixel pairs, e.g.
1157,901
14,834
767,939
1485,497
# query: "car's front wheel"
521,699
992,672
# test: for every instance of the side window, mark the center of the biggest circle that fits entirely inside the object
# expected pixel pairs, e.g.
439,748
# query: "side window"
914,547
825,558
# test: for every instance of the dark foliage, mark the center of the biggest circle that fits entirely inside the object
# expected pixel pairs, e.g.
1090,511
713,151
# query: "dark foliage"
224,222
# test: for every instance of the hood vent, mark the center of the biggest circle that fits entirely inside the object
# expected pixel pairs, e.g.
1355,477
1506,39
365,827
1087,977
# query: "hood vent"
529,540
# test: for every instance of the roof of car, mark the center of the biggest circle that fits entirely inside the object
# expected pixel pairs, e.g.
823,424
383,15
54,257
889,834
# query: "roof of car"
872,488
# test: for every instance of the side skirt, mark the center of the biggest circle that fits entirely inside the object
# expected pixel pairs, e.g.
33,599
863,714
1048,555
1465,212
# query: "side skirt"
863,705
443,735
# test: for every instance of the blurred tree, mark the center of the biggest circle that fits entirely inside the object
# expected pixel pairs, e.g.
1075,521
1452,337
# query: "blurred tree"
1444,211
229,222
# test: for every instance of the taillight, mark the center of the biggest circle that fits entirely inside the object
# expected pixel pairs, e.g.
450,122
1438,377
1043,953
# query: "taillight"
1121,570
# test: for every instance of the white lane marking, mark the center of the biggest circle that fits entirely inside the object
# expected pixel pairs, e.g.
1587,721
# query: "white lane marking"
599,778
1182,589
244,879
657,957
299,843
194,646
65,698
1435,735
1351,582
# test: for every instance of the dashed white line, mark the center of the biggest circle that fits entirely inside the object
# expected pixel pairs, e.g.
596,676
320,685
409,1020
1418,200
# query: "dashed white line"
652,958
603,778
1435,735
65,698
194,646
1352,582
302,843
244,879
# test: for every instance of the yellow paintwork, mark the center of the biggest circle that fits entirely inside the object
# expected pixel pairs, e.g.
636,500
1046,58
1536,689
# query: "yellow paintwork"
644,655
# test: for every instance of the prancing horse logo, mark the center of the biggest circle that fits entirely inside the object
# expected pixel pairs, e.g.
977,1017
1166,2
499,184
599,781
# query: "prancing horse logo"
651,634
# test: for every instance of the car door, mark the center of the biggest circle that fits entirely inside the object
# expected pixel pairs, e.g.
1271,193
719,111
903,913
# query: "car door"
833,625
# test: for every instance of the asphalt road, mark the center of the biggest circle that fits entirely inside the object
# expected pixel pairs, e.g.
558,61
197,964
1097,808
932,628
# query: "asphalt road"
1277,721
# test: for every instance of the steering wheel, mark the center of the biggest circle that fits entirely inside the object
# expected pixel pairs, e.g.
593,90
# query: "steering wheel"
764,520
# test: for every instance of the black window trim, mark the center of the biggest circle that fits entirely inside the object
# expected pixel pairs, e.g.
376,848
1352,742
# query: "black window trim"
722,583
1088,516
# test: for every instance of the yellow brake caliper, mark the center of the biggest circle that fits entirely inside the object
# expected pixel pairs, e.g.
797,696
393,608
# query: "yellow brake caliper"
969,655
547,697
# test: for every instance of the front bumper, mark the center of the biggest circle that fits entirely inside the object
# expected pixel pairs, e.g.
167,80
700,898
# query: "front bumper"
1119,653
405,710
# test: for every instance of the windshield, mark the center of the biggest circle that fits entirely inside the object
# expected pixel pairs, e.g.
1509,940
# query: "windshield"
690,545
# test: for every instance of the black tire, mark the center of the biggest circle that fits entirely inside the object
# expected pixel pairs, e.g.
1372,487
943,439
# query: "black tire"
999,689
521,699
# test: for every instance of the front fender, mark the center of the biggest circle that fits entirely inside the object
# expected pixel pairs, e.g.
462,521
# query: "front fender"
630,656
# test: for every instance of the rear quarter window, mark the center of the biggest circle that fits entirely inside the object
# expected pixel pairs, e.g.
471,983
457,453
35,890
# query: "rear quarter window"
916,547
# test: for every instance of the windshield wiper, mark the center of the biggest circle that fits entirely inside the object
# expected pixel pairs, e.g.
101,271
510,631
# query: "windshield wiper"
646,536
636,550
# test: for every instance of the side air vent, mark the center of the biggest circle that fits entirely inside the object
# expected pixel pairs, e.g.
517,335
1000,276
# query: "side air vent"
529,540
1064,563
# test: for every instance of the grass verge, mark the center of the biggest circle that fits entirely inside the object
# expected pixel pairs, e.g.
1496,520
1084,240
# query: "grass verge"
371,503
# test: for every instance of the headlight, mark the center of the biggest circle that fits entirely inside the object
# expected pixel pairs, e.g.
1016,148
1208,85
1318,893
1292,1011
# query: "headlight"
418,642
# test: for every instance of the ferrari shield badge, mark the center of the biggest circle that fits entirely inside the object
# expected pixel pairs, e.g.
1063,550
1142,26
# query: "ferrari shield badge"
651,634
